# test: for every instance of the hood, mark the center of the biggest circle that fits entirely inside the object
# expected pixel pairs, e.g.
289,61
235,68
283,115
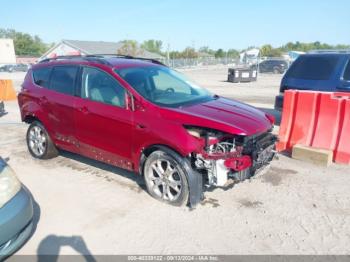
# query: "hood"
225,115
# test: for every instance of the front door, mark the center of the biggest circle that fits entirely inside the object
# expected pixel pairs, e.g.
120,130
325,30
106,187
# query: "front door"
104,124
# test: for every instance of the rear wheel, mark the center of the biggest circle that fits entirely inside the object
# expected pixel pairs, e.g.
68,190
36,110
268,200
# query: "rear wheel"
39,142
276,70
165,179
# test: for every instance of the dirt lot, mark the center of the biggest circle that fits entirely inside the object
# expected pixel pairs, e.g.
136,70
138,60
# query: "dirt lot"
84,206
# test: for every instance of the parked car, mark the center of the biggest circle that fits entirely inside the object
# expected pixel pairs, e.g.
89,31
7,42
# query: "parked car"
19,68
16,212
327,71
14,68
4,68
276,66
145,117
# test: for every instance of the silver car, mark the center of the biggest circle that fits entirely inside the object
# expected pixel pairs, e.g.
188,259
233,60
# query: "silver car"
16,212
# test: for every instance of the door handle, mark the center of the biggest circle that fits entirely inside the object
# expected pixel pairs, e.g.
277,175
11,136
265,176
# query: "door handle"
43,100
140,126
83,109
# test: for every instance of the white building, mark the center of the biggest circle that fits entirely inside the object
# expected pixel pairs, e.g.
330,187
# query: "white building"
7,51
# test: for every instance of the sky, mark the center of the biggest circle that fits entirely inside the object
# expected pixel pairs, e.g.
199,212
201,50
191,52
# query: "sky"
180,23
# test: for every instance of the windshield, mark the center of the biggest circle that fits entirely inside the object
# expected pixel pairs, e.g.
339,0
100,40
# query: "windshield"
163,86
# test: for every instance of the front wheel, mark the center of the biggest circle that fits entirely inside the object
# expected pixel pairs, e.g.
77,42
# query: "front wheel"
39,142
165,179
276,70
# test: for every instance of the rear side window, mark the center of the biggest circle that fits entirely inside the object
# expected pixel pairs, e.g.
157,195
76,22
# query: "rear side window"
313,67
63,79
42,76
347,72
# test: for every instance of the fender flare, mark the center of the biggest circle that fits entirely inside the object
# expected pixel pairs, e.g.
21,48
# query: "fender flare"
194,179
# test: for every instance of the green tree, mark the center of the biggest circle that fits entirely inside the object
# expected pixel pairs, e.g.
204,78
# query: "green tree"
305,47
232,53
25,44
189,52
206,49
154,46
130,47
220,53
174,55
269,51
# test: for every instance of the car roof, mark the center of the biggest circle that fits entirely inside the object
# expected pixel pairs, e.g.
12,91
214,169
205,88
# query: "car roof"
116,62
328,53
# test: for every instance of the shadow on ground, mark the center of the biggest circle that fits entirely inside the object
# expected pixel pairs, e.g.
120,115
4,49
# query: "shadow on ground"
106,167
50,247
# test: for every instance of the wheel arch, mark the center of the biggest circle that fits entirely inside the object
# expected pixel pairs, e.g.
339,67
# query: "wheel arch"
30,119
194,179
149,150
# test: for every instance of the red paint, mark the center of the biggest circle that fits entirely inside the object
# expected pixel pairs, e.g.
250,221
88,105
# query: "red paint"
119,135
239,163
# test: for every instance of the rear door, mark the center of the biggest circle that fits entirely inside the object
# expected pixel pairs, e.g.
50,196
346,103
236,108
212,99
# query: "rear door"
60,100
104,124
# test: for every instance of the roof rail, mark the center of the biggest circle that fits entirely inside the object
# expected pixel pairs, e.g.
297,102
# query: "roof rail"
90,58
332,51
100,58
129,57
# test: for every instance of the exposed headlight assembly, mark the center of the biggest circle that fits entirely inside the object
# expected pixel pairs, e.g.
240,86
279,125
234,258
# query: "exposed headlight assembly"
9,183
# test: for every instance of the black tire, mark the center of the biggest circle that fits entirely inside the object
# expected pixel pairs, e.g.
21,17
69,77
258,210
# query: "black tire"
156,191
276,70
49,150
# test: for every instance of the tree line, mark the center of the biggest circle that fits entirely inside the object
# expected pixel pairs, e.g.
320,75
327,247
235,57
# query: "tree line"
32,45
269,51
132,47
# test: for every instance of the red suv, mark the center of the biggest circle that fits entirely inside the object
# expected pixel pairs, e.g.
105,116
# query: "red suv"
142,116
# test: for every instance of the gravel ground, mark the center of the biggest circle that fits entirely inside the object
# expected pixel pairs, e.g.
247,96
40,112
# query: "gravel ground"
83,206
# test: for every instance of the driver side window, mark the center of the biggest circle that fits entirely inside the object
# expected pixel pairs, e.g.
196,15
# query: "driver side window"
99,86
165,82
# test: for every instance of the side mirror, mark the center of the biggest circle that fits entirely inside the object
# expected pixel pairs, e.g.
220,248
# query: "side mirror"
39,82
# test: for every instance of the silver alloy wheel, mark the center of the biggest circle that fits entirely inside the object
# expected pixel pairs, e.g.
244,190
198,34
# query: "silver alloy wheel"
37,141
164,180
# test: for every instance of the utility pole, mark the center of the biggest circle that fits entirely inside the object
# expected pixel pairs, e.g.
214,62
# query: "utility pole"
168,53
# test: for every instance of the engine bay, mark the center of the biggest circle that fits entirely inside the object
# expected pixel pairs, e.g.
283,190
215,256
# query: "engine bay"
224,156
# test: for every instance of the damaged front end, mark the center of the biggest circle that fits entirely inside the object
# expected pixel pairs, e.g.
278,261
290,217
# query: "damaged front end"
225,156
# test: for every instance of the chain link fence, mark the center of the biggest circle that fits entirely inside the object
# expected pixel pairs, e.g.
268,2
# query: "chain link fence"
200,62
184,63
